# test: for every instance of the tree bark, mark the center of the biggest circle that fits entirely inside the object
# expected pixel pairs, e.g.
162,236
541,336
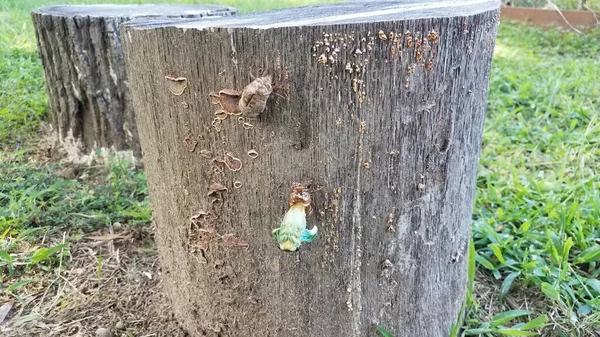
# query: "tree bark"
84,66
379,112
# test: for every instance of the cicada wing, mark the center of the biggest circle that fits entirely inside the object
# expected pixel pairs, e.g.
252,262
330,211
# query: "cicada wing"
309,235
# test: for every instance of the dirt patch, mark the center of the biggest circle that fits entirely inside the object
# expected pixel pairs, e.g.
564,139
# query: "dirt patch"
522,297
112,281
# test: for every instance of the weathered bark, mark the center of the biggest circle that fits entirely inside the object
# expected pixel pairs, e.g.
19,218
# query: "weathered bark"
84,66
382,114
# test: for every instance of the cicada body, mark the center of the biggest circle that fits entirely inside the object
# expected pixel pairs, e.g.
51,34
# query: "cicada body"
292,231
255,95
250,103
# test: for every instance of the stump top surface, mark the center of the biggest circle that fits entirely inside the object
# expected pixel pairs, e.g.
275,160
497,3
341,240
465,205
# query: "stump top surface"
336,13
132,11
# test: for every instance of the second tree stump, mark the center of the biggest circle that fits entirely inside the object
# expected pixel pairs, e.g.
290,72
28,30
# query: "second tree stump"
82,56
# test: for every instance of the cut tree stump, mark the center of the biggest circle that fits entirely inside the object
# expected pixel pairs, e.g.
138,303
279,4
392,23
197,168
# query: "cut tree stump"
379,112
83,61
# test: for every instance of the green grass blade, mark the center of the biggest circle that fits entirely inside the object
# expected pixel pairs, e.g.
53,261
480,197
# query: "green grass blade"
507,316
550,291
589,255
497,253
513,332
536,323
479,331
383,332
508,281
11,288
484,262
45,253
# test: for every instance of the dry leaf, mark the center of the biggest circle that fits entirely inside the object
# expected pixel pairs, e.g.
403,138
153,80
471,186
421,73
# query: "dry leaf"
4,310
109,237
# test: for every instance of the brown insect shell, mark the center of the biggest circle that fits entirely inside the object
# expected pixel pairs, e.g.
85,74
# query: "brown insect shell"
228,99
299,195
255,95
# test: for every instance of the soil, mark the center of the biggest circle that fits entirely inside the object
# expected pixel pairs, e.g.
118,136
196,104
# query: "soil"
113,282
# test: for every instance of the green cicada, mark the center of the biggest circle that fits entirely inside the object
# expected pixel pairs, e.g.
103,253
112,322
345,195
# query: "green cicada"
292,231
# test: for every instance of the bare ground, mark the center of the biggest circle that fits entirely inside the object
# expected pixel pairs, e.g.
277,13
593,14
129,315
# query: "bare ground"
113,281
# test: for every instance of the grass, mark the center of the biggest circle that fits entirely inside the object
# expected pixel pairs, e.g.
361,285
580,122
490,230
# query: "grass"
562,4
34,196
537,211
536,225
22,98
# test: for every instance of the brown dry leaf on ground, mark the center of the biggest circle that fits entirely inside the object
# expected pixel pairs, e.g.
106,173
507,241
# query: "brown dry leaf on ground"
110,237
115,285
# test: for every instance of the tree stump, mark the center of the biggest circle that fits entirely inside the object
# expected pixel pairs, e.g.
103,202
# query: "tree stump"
83,61
377,109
